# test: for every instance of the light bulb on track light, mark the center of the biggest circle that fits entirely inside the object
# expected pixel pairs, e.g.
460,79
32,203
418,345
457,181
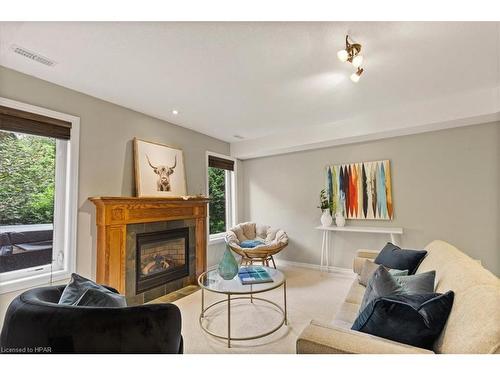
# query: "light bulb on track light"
343,55
356,76
357,61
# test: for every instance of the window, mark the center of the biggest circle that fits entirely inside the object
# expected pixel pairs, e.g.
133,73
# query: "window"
221,182
38,192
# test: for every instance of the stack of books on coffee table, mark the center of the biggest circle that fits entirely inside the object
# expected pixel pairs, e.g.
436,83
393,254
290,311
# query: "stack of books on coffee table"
254,275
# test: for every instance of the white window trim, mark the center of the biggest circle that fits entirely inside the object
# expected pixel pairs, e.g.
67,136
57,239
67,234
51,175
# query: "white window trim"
36,276
231,215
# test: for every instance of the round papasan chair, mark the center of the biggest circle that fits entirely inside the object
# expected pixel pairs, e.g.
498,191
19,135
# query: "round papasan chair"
256,242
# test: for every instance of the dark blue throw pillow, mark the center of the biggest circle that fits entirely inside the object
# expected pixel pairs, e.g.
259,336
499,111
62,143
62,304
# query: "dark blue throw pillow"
84,292
413,319
393,256
98,298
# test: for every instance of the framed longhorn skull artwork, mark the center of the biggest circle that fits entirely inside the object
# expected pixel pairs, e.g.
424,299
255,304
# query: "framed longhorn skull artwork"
159,170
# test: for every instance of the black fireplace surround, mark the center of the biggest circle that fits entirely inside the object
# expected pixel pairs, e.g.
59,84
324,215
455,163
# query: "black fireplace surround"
174,271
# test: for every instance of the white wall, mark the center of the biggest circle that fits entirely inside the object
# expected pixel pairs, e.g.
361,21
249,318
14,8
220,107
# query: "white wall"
105,164
446,185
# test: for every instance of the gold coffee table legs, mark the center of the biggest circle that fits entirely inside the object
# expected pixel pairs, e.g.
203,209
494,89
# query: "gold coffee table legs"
251,297
228,320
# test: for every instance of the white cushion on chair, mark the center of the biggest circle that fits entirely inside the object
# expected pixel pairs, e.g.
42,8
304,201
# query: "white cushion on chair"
272,238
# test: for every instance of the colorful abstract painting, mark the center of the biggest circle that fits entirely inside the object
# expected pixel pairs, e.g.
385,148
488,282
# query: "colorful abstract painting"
361,190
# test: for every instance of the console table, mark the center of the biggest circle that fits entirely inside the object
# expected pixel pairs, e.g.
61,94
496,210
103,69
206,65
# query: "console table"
325,246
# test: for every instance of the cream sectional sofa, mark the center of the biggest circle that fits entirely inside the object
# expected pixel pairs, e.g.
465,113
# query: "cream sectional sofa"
473,325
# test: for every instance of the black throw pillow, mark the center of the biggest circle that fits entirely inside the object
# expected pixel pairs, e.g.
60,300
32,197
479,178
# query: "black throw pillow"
413,319
393,256
77,287
98,298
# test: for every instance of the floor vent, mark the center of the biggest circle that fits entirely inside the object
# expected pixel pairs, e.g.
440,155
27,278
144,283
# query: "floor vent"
33,55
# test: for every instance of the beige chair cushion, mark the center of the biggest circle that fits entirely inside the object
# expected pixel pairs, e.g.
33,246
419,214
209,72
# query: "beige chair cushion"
238,232
248,230
271,234
271,238
261,231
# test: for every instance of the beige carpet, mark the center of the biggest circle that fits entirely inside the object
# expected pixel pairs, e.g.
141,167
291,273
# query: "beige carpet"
310,295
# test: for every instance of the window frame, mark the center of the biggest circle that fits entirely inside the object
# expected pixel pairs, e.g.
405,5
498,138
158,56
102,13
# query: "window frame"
231,198
65,208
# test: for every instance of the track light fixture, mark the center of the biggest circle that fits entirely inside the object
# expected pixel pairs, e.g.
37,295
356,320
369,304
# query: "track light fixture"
351,54
355,76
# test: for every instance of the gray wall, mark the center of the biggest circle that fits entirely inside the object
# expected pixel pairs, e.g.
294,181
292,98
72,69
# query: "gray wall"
445,186
105,167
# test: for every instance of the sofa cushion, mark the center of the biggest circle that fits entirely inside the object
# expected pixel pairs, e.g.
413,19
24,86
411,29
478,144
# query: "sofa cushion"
439,253
393,256
369,268
473,325
77,287
356,292
413,319
347,312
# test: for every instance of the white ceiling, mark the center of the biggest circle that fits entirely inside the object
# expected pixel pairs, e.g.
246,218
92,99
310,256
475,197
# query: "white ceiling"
258,80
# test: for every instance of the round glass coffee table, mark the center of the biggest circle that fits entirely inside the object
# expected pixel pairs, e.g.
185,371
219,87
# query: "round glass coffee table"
235,290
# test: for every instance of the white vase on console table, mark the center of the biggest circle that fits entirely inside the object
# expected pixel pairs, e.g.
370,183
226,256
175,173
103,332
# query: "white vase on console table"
326,218
339,219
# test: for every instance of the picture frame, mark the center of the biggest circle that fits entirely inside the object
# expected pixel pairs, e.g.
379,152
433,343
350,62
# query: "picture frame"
361,190
159,170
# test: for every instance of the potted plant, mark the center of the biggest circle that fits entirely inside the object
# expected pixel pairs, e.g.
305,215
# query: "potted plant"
324,205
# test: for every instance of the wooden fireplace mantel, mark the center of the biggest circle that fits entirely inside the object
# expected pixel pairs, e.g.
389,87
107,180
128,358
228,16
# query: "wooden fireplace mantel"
114,213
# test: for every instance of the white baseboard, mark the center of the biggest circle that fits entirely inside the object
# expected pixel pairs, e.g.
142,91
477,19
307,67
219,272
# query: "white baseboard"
332,269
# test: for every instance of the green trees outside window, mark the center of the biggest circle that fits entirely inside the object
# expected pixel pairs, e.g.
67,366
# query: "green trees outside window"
27,179
217,206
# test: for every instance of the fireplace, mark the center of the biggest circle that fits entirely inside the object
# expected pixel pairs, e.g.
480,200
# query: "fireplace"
161,257
126,224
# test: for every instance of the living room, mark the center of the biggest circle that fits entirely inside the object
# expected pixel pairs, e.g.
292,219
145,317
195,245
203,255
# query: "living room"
250,187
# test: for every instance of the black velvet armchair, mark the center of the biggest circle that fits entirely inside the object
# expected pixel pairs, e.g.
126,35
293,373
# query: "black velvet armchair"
35,323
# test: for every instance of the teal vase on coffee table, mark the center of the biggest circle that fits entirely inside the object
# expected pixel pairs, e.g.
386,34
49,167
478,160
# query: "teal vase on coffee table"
228,266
